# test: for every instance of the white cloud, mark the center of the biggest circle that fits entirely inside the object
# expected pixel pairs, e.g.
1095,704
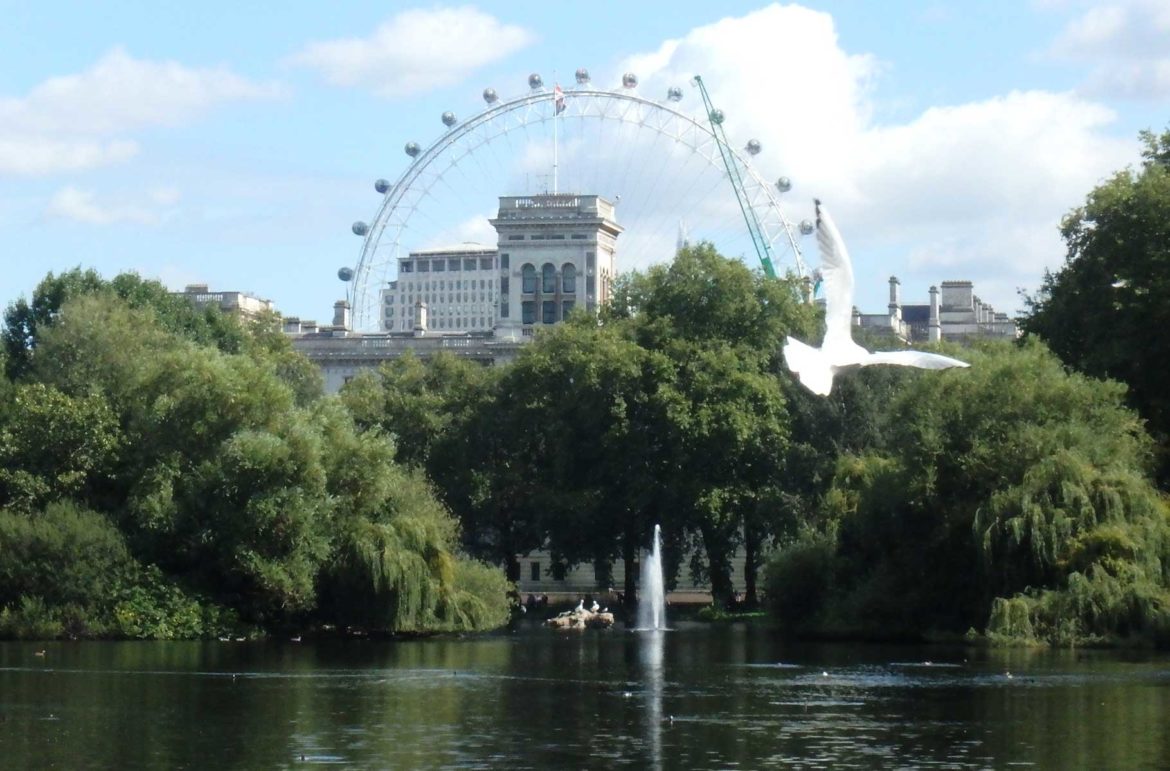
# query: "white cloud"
474,230
971,191
31,155
82,206
1128,46
415,51
76,122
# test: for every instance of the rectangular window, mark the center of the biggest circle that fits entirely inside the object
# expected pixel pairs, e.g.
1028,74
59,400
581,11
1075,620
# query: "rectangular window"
590,260
535,571
424,266
504,309
536,237
504,285
485,263
469,264
438,265
515,237
406,266
549,312
528,312
556,238
454,264
578,236
566,308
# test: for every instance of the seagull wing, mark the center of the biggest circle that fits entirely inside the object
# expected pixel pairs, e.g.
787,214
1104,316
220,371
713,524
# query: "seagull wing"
920,359
837,274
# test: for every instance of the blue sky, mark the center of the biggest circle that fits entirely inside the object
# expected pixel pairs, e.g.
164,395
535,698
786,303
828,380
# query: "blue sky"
225,144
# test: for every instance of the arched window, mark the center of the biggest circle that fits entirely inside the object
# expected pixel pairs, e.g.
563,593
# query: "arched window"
548,274
569,278
528,276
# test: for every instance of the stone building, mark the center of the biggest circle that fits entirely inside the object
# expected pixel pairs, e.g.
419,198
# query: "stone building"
556,253
235,303
458,285
955,314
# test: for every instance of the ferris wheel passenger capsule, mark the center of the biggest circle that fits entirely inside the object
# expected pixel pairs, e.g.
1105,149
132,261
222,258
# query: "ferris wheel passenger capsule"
582,76
490,96
360,228
674,94
412,149
753,147
345,273
806,228
535,81
717,116
448,119
629,80
784,184
382,185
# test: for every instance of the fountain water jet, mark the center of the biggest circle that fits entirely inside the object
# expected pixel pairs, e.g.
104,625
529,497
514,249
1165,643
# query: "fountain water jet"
652,603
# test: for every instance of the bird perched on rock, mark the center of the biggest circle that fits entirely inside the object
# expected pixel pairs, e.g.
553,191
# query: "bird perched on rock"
816,367
595,607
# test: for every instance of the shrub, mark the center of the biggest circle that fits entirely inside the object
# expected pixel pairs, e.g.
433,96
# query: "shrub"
800,579
62,555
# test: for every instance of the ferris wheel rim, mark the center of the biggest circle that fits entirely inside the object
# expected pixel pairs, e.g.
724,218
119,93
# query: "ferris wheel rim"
420,163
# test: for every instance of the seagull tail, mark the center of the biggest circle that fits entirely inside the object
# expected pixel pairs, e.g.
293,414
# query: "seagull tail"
810,365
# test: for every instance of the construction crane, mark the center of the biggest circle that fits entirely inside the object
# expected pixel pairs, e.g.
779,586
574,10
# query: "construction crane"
715,116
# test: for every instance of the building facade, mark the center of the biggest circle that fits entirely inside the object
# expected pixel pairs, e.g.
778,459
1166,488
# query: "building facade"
457,285
556,252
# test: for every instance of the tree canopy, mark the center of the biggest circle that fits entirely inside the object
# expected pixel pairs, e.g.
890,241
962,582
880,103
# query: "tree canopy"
1012,484
1105,311
198,453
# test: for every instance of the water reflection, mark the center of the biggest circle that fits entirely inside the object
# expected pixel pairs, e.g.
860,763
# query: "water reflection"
536,699
650,645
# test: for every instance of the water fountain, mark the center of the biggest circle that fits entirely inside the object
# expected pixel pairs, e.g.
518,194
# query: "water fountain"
652,603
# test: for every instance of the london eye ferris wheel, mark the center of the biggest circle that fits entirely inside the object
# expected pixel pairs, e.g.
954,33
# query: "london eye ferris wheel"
671,176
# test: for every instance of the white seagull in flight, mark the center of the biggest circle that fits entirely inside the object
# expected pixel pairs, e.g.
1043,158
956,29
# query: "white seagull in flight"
816,367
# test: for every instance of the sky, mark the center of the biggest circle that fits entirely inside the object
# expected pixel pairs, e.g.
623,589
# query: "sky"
231,145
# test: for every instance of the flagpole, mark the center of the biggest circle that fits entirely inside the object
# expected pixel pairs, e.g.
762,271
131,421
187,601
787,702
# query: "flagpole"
556,120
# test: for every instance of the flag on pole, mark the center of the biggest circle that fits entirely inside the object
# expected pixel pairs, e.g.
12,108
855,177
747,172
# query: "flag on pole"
559,99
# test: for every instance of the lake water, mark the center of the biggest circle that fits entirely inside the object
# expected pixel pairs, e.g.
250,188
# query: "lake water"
699,696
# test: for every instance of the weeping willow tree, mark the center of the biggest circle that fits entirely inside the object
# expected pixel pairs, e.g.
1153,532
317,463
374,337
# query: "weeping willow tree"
395,565
1013,497
1097,541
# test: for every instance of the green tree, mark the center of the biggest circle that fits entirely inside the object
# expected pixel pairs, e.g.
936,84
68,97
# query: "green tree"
24,321
60,555
227,478
53,446
395,563
594,404
719,324
1013,481
1105,312
421,403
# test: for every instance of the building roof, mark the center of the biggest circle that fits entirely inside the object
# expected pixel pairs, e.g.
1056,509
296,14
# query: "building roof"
467,247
